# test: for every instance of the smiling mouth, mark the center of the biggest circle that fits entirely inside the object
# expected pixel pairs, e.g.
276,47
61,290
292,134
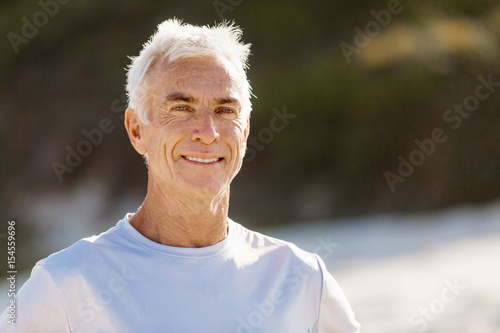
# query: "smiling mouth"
202,160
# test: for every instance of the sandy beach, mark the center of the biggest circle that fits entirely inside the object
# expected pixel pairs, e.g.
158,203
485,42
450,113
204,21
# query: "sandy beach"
454,288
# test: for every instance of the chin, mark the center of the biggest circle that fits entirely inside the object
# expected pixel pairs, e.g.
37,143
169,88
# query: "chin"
206,188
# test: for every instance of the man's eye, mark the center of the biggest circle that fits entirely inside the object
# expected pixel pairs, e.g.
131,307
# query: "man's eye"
179,108
226,111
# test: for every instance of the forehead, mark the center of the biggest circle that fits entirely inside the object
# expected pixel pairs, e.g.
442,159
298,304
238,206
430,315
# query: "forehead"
196,76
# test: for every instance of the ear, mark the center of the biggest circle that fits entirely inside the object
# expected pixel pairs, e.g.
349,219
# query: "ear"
246,132
135,130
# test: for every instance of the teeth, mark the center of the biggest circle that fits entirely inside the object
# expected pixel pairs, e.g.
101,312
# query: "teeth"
201,160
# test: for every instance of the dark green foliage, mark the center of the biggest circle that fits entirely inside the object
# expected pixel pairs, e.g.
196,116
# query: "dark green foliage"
353,120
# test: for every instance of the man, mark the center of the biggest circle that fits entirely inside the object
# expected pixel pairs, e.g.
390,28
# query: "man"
179,264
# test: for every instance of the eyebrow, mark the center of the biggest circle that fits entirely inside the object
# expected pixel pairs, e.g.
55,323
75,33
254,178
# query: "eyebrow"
179,97
227,100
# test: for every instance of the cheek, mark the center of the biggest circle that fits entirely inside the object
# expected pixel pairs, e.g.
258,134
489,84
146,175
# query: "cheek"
156,144
238,136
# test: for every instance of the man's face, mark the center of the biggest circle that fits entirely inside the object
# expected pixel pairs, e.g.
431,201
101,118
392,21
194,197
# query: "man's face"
196,135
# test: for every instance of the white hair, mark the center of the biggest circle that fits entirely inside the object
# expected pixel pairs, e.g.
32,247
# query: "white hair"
175,40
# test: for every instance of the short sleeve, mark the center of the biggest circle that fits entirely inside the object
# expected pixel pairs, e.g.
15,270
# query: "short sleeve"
39,308
336,315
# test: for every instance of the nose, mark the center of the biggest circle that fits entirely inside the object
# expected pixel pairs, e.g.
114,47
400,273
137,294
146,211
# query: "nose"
205,130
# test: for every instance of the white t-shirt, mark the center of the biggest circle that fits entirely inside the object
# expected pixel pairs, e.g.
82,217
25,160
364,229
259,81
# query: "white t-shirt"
120,281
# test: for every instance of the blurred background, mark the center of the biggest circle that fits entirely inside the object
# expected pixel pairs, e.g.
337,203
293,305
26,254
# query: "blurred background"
388,138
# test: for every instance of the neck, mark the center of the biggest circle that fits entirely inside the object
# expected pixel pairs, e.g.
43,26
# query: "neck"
182,221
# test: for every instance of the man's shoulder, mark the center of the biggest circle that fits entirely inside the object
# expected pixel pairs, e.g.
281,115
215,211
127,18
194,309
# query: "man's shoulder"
278,248
83,252
258,239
